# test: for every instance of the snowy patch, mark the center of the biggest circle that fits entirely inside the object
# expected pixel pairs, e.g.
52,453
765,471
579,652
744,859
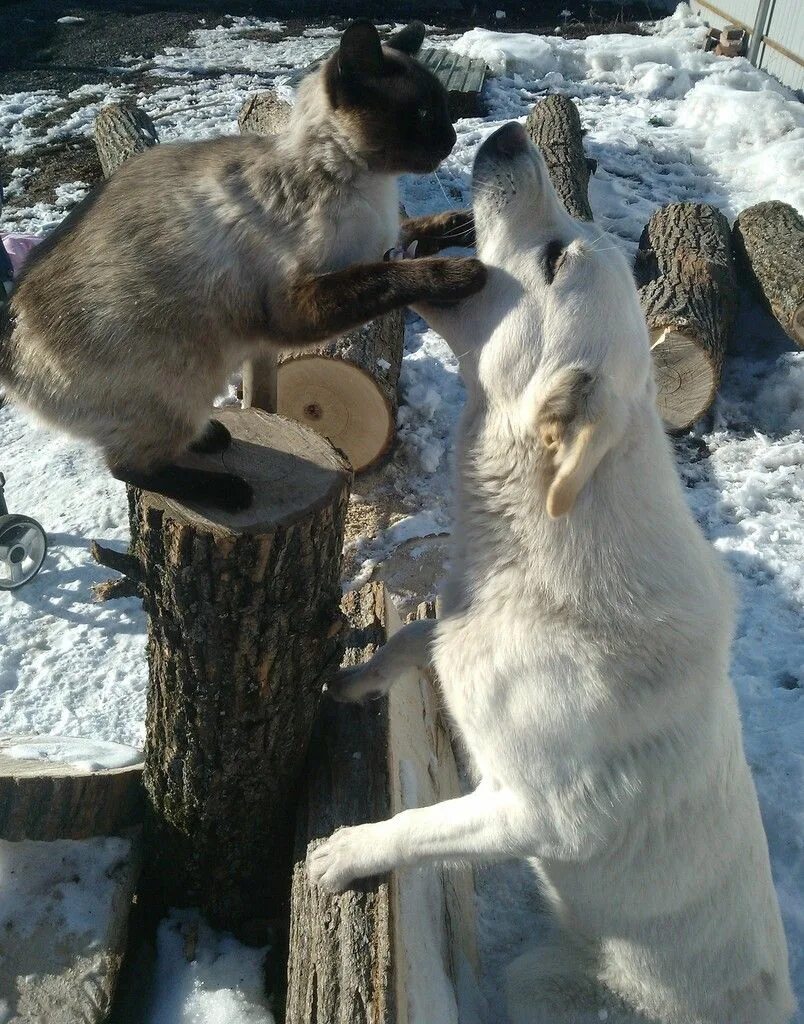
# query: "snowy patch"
83,755
205,977
70,19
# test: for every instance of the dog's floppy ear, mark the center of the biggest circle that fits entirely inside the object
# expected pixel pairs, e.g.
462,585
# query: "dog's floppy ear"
578,419
360,50
408,39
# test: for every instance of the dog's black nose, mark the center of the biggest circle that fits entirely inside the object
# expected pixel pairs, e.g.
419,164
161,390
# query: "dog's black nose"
510,140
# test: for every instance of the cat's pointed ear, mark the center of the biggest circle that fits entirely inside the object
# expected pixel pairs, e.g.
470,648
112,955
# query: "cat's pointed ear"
360,52
408,39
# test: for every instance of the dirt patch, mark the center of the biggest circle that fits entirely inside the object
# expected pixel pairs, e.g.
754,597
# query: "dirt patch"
52,164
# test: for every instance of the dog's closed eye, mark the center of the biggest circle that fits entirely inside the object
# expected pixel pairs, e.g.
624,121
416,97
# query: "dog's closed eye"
553,255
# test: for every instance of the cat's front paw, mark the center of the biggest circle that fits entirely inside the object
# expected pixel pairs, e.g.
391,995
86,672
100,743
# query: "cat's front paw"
451,280
339,860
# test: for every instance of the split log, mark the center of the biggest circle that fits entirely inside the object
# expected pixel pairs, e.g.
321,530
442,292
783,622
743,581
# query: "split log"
554,125
243,630
346,390
769,249
685,273
60,787
264,113
356,957
121,130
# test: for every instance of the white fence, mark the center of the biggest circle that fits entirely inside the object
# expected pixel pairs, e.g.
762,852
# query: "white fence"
776,30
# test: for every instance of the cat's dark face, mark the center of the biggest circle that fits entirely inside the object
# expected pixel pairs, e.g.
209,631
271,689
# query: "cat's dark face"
394,110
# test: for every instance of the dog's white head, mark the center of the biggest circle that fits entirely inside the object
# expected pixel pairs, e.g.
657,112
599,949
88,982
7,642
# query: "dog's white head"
556,341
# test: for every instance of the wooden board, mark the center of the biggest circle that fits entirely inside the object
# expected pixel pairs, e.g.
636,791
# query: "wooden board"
360,957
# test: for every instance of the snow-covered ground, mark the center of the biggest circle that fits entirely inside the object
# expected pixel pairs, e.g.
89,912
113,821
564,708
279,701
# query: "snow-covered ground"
665,122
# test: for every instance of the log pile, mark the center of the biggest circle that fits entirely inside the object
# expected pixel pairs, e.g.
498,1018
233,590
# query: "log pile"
554,125
352,958
769,248
684,270
264,113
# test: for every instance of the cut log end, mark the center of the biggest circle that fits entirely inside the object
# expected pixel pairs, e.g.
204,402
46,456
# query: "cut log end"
686,377
61,787
340,401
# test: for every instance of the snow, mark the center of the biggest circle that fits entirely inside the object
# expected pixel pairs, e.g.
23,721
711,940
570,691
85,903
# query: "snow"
220,983
83,755
69,19
665,122
64,886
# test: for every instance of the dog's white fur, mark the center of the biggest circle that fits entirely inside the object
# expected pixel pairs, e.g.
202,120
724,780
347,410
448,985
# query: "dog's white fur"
584,650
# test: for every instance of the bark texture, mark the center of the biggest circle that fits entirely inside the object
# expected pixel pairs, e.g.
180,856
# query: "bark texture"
46,800
347,389
264,113
554,125
685,273
769,249
340,967
244,625
355,957
121,130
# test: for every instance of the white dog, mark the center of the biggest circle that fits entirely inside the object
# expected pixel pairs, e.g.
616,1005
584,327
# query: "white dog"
584,650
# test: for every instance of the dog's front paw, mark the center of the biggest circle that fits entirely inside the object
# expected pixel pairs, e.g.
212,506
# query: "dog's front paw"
357,685
342,858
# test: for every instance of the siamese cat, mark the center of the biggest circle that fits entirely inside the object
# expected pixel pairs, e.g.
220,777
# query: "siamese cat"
129,318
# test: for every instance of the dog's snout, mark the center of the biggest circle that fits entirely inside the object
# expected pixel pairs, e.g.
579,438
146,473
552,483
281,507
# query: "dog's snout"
508,141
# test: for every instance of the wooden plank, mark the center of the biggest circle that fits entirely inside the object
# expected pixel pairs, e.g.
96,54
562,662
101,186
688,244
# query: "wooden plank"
457,79
355,958
476,76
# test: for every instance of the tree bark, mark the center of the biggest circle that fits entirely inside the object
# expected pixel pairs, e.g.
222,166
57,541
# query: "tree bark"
685,273
355,957
243,629
264,113
554,125
346,390
121,130
46,796
769,249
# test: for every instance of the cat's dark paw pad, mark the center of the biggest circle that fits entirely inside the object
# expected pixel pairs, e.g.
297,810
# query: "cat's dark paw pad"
232,493
213,438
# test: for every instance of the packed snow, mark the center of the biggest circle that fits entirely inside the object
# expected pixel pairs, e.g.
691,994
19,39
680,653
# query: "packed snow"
82,755
665,122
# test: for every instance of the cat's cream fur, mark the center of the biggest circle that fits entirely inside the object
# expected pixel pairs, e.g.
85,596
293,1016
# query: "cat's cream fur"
584,650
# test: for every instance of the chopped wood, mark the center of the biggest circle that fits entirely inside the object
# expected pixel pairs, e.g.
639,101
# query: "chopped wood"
769,249
346,390
44,795
554,125
355,957
119,561
121,130
243,630
115,589
688,291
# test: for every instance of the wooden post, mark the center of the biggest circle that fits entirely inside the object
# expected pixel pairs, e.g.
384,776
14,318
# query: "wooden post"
769,249
356,957
243,629
554,125
689,295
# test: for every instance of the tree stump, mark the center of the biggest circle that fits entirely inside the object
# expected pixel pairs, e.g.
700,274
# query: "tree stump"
356,957
688,291
60,787
243,630
346,390
554,125
769,249
121,130
264,113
